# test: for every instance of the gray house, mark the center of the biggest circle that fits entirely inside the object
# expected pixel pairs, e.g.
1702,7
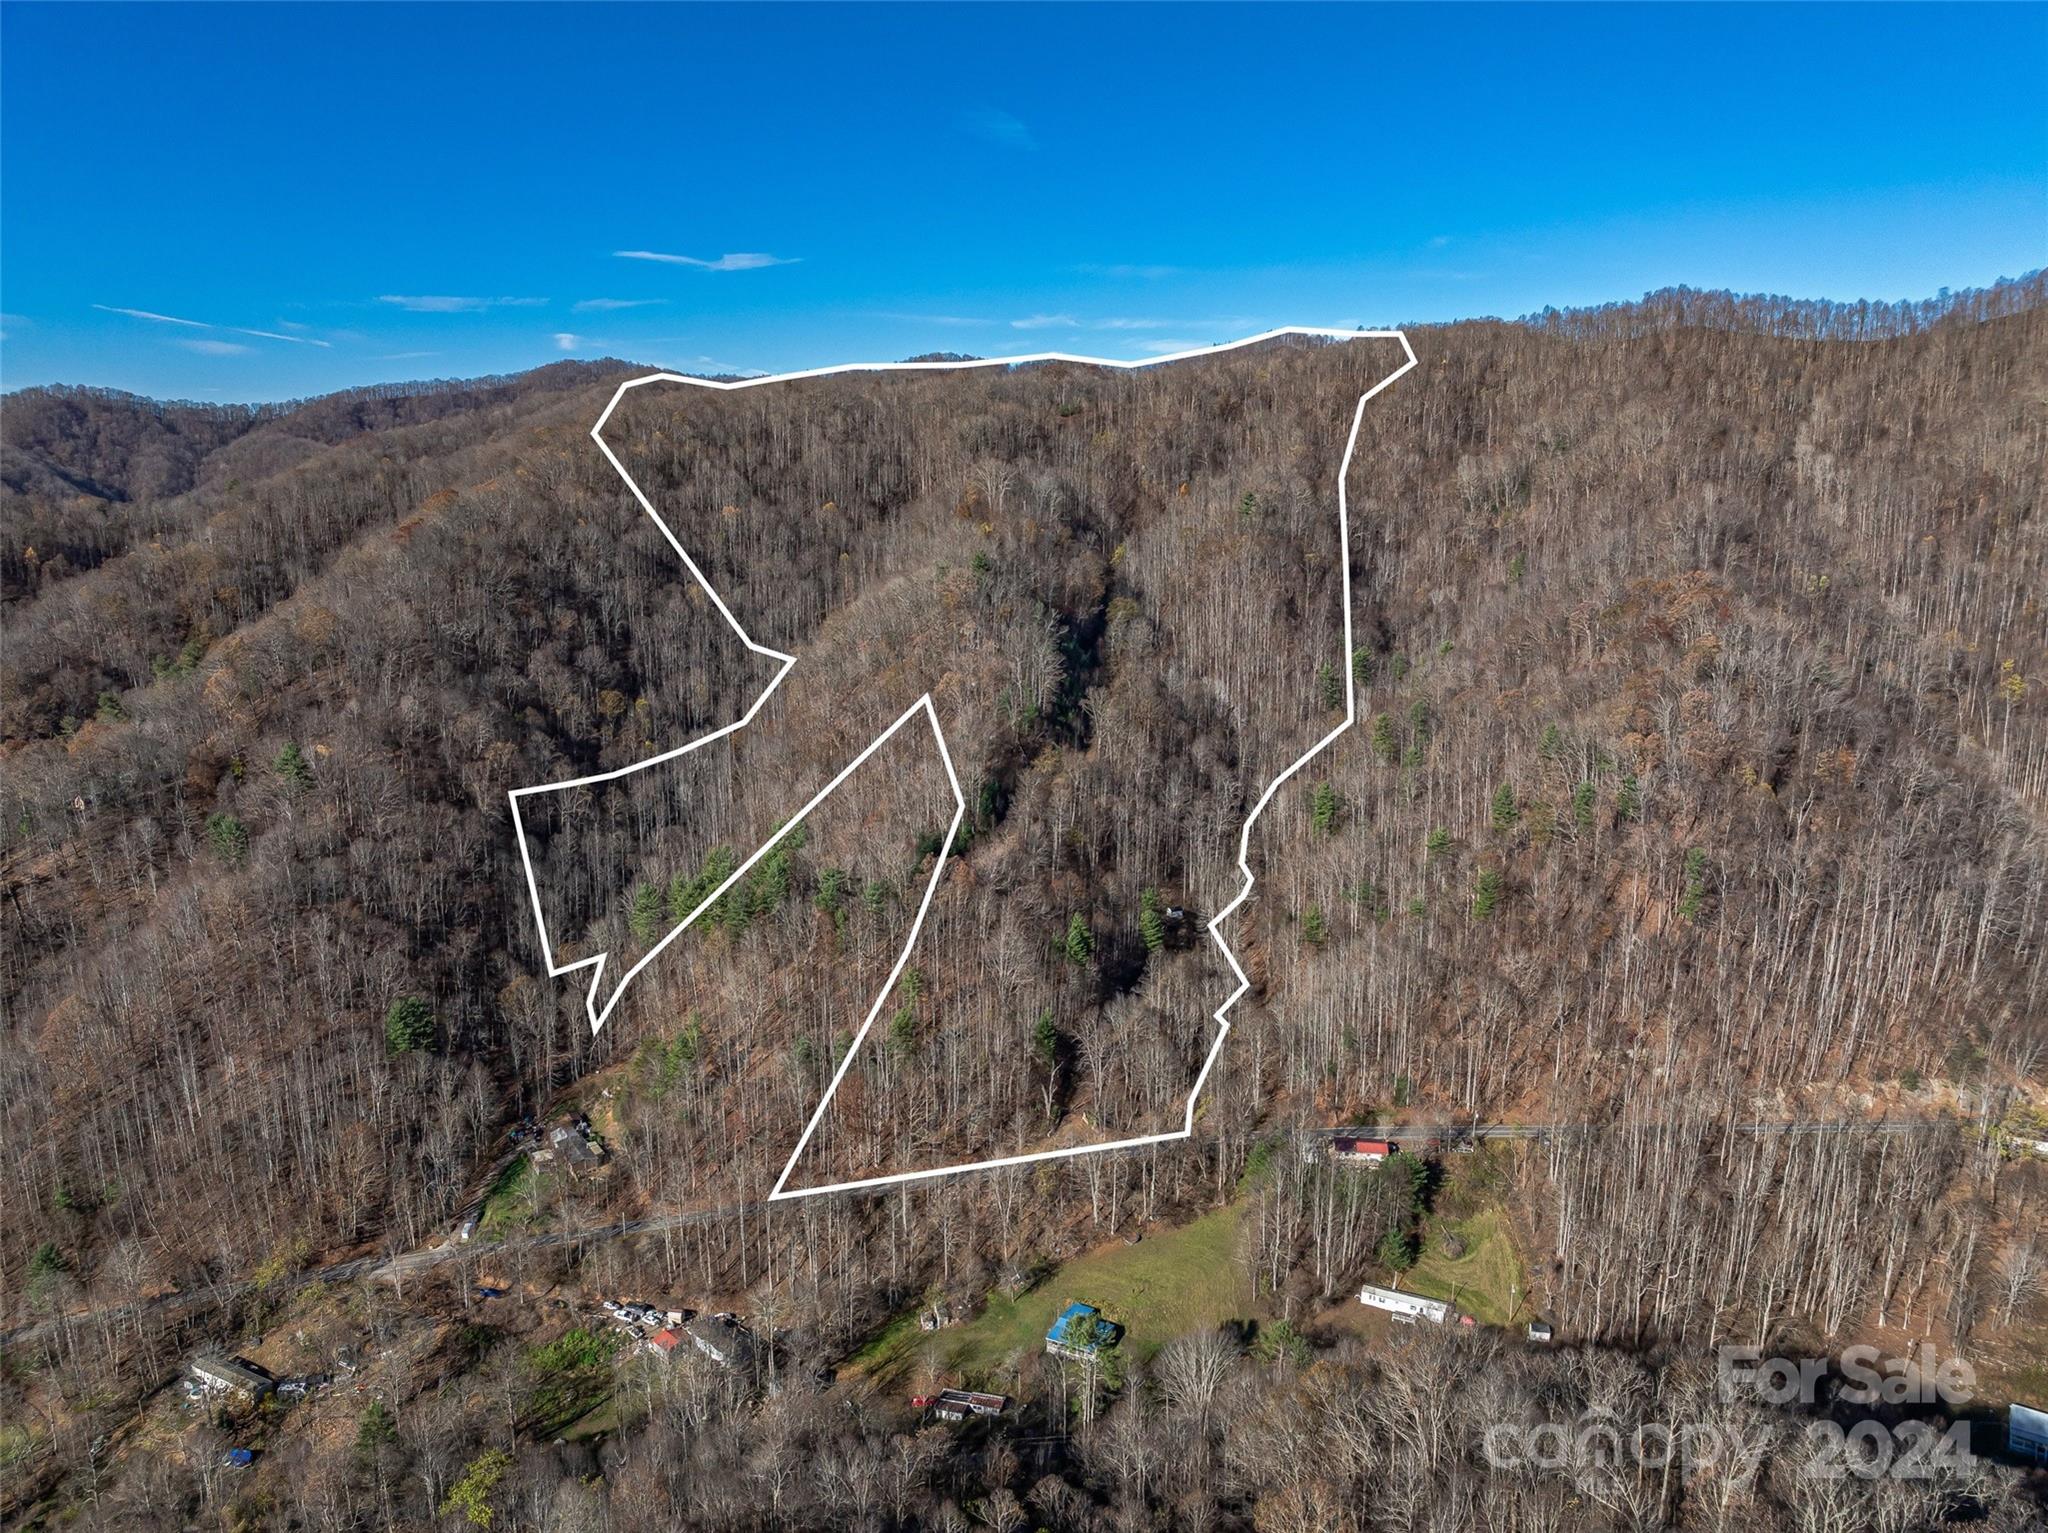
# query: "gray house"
722,1339
232,1377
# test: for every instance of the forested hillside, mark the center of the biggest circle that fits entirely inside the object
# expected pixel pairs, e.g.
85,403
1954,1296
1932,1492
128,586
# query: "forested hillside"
1700,778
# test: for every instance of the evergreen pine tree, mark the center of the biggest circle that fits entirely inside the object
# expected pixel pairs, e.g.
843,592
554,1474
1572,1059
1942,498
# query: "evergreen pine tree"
1330,687
291,767
46,1263
1315,928
1582,806
1384,745
1322,808
1506,812
831,890
1695,895
903,1032
1080,945
228,837
1628,799
408,1026
643,919
1486,895
1045,1039
1151,924
375,1428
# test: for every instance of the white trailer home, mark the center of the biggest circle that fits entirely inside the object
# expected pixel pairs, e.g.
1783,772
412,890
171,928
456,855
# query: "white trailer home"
1405,1307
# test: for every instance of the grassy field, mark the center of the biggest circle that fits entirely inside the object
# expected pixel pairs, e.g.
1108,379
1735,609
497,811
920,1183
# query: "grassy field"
508,1205
1167,1285
1486,1282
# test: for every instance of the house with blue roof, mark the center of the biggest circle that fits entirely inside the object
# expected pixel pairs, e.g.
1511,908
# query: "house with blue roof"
1081,1333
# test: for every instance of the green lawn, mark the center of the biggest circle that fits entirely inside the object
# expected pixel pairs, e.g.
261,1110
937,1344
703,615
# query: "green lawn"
1487,1282
508,1205
1169,1284
569,1378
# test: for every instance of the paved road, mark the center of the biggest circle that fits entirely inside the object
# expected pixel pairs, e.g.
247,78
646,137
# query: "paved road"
405,1265
412,1263
1416,1133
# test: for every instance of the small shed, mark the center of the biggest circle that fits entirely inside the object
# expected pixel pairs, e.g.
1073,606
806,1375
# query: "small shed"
959,1404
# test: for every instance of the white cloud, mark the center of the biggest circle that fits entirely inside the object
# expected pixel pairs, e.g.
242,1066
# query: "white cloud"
998,127
564,341
1115,322
218,348
1130,322
432,304
404,356
606,305
161,319
200,324
933,319
272,335
745,260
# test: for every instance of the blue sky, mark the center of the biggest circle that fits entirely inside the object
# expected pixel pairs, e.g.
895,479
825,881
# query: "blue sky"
334,196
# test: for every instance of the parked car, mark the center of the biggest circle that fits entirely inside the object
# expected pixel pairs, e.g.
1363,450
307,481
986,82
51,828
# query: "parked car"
612,1305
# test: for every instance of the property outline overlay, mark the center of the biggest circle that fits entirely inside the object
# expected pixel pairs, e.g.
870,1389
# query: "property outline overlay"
597,963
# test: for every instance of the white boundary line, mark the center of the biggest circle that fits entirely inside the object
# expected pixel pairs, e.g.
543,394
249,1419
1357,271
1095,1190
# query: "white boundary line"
597,963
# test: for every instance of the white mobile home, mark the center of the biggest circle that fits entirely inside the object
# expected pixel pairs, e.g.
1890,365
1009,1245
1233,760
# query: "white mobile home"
1405,1307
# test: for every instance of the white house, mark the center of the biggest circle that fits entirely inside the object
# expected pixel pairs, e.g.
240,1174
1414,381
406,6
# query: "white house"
1405,1307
